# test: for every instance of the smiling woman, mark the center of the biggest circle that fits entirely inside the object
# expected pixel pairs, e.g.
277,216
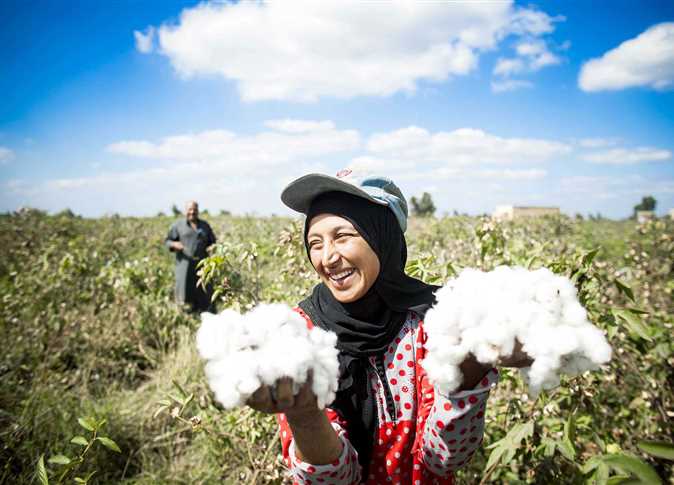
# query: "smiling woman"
387,424
341,257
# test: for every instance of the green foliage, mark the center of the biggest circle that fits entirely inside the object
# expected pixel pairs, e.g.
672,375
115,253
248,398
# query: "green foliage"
87,307
423,207
658,448
66,466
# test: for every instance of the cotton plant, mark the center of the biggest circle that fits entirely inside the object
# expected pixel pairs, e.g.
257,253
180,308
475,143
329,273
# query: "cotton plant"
270,342
484,313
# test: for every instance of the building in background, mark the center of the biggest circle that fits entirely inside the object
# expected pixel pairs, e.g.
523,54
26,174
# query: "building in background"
510,212
643,216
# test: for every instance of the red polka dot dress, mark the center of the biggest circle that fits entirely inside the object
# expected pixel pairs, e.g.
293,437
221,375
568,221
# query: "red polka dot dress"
423,436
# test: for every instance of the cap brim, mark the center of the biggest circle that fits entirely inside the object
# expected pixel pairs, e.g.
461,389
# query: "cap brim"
299,194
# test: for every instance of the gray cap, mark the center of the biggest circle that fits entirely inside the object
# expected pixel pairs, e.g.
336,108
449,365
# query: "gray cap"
299,194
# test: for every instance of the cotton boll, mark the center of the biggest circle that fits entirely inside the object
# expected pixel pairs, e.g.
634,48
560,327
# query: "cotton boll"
268,343
567,291
576,363
483,313
546,293
212,336
573,313
565,338
594,344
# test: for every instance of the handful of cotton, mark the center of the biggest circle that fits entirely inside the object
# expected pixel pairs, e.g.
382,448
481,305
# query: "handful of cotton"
484,312
267,343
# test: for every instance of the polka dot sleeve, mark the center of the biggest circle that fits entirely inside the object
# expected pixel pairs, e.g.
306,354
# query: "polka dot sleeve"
455,427
344,470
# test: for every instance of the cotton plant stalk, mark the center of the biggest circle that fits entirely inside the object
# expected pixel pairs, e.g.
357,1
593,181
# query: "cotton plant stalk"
270,342
484,313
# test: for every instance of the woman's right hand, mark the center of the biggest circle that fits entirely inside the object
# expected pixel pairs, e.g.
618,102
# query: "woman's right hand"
315,439
280,398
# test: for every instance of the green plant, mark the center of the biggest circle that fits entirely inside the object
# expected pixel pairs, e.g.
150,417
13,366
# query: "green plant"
69,466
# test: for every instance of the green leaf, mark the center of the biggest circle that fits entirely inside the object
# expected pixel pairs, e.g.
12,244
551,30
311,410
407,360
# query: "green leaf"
108,443
87,423
495,456
566,446
621,480
159,410
549,447
566,449
79,440
511,450
520,432
601,477
589,256
637,311
590,465
530,261
658,448
59,460
42,472
600,442
634,323
570,429
506,449
633,465
87,478
164,402
80,480
624,289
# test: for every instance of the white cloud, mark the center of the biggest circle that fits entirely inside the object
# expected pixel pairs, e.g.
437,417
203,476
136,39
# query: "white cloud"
627,156
532,55
537,54
465,146
598,142
145,40
5,155
220,168
510,85
302,50
630,188
288,140
646,60
299,126
508,174
533,22
508,66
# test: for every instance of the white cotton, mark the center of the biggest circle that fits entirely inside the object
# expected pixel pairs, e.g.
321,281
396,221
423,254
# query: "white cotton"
270,342
483,313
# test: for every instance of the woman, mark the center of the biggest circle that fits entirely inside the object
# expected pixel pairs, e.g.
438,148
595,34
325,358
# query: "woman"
387,424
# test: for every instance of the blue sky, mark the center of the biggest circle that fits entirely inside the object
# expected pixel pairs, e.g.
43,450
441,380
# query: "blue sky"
130,107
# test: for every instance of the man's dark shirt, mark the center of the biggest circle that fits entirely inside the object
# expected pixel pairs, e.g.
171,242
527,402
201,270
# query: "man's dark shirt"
195,242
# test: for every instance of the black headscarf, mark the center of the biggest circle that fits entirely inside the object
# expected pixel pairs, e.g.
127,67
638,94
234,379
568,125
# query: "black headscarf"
367,326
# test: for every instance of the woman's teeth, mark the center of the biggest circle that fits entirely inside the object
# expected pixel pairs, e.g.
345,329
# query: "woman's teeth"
342,275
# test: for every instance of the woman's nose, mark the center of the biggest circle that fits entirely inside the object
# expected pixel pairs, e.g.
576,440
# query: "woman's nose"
330,255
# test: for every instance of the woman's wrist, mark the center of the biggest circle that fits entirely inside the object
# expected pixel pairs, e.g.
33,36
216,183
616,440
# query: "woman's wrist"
307,419
316,441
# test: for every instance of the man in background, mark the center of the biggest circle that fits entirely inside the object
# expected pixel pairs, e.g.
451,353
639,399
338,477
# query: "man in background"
190,238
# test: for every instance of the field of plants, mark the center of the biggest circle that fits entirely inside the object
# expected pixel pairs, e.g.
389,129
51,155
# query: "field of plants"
100,381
